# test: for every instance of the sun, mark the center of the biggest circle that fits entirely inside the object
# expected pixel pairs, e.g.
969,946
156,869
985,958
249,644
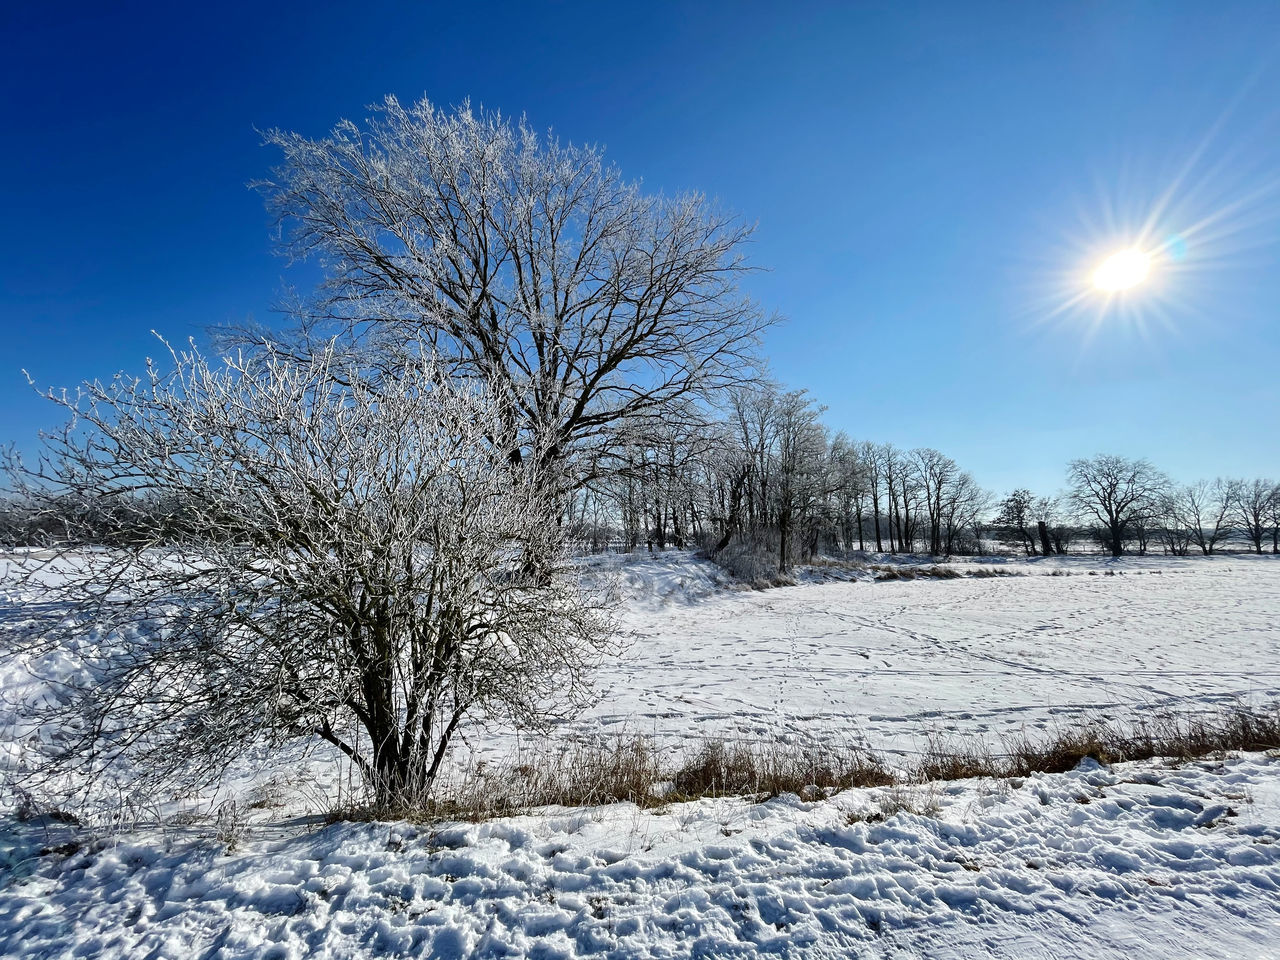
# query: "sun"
1122,270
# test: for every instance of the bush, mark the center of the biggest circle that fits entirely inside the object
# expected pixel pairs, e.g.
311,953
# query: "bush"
753,560
361,562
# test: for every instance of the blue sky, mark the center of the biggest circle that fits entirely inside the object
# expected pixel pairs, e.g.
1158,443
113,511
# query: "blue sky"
932,183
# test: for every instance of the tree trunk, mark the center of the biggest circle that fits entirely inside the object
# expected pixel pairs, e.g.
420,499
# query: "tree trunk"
784,538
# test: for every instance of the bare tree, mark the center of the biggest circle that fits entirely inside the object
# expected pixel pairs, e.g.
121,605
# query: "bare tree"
1205,510
936,472
963,503
1255,501
1117,493
1014,519
346,562
872,457
1274,518
852,487
1049,514
753,413
904,488
1174,512
801,450
582,301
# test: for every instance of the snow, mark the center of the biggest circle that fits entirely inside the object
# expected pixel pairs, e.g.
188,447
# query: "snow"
1167,862
1145,859
888,662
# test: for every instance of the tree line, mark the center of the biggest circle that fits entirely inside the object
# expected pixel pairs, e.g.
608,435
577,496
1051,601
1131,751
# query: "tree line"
762,471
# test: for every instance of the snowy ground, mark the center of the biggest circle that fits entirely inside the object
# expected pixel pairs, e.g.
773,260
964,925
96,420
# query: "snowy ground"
1136,861
889,661
1144,860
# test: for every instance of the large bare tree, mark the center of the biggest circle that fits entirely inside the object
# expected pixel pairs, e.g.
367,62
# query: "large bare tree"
586,303
344,564
1116,493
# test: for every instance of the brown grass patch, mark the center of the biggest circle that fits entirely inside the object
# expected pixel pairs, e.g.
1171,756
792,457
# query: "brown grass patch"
637,769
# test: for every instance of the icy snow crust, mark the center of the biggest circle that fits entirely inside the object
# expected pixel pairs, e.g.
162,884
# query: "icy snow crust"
1143,860
1137,861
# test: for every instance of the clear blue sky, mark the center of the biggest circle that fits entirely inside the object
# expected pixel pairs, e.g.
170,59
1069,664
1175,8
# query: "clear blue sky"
931,182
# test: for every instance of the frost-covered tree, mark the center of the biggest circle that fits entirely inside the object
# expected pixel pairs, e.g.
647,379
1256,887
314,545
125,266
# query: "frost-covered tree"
801,479
345,567
953,501
587,304
851,489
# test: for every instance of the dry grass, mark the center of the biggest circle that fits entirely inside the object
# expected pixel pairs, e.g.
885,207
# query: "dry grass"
884,571
1171,736
640,770
721,768
590,773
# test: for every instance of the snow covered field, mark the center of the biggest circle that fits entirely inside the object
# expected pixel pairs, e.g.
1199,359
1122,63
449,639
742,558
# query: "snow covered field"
889,661
1142,860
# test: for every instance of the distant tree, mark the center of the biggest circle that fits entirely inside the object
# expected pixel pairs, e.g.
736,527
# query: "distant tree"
1052,521
1174,512
903,489
937,474
964,503
1274,518
348,561
1014,517
801,478
873,461
1255,507
851,484
1205,509
1118,494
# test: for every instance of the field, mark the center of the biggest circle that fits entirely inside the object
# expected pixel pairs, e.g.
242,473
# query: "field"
1148,859
1058,641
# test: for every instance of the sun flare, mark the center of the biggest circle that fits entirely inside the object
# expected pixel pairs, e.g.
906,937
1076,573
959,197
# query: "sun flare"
1122,270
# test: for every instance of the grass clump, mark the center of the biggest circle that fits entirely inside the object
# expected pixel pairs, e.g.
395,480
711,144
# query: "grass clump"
1170,736
721,768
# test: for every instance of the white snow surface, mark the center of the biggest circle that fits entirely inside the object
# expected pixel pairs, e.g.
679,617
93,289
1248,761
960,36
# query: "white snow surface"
891,662
1140,860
